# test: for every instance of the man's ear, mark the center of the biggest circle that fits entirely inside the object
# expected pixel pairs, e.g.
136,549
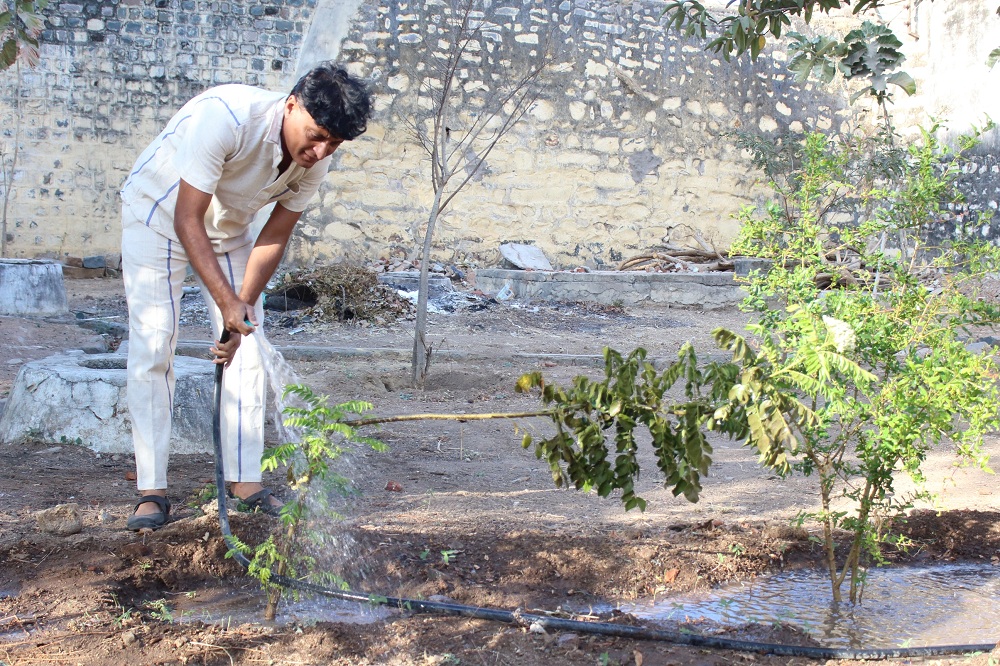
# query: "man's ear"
290,103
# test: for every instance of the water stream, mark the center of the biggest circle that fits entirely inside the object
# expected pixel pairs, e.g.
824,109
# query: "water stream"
225,608
279,375
944,604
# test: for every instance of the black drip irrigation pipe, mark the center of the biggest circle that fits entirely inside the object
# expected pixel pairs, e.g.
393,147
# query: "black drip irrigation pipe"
520,618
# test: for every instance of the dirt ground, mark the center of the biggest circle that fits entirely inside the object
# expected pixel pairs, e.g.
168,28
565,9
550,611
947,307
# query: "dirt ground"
453,511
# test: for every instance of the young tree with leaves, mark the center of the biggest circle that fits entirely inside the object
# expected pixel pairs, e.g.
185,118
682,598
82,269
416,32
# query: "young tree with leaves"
855,367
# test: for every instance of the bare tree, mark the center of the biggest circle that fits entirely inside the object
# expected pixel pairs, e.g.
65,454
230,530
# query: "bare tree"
458,143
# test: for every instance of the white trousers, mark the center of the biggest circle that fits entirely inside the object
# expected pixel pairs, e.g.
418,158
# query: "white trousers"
154,268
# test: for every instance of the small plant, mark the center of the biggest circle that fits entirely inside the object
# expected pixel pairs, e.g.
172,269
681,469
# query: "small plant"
207,493
324,437
159,610
123,615
448,555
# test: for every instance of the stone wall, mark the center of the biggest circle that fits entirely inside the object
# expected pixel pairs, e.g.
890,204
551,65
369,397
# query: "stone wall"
627,145
112,73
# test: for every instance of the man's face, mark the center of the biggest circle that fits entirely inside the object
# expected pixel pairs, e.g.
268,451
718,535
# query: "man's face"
302,139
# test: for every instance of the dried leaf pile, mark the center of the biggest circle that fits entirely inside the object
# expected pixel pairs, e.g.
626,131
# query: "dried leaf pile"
339,292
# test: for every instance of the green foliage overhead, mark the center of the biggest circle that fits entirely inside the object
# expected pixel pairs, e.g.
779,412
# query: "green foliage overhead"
870,52
21,23
751,22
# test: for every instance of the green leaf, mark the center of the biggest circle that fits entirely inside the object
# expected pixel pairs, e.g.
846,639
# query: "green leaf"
905,81
33,23
871,51
8,53
994,56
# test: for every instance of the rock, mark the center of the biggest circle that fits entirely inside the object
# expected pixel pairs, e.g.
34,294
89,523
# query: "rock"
61,520
525,257
978,347
94,262
113,261
128,638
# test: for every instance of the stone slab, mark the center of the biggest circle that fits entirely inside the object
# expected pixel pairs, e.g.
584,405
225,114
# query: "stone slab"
695,290
31,287
81,398
525,257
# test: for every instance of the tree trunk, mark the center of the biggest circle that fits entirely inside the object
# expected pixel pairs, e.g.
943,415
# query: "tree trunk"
420,361
825,484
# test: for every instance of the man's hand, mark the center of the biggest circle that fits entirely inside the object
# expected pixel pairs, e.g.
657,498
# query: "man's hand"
225,347
226,351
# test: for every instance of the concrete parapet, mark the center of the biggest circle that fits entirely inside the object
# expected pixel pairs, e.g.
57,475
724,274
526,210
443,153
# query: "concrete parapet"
81,398
697,290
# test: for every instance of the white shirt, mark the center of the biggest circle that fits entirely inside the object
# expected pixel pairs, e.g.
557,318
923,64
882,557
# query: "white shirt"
225,142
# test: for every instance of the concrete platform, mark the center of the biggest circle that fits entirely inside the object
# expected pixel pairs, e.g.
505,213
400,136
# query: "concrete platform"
81,398
31,287
694,290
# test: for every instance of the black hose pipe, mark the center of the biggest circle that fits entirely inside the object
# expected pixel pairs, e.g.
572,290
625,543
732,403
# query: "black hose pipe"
553,623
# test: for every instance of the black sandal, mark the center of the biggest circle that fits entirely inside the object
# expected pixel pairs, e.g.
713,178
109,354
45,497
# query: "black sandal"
150,521
259,501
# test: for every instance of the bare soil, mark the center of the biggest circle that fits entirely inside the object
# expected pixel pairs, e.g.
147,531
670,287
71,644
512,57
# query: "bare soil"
454,511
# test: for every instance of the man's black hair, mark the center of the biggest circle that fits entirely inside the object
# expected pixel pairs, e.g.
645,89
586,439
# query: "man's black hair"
338,102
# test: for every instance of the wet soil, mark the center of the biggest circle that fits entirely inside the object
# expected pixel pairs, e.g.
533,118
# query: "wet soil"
453,511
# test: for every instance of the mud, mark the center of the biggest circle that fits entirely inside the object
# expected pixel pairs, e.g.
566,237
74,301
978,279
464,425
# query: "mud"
454,511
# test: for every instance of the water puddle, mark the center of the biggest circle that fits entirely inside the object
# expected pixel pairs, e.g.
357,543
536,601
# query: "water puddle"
226,608
946,604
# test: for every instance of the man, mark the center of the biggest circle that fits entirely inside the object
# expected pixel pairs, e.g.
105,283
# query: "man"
189,201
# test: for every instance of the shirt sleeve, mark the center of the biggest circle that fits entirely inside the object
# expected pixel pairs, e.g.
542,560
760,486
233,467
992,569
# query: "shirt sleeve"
308,186
210,139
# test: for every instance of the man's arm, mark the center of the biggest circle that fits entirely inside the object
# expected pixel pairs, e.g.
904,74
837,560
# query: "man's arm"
267,252
189,225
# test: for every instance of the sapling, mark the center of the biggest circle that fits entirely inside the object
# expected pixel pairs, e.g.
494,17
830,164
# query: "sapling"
323,437
324,434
